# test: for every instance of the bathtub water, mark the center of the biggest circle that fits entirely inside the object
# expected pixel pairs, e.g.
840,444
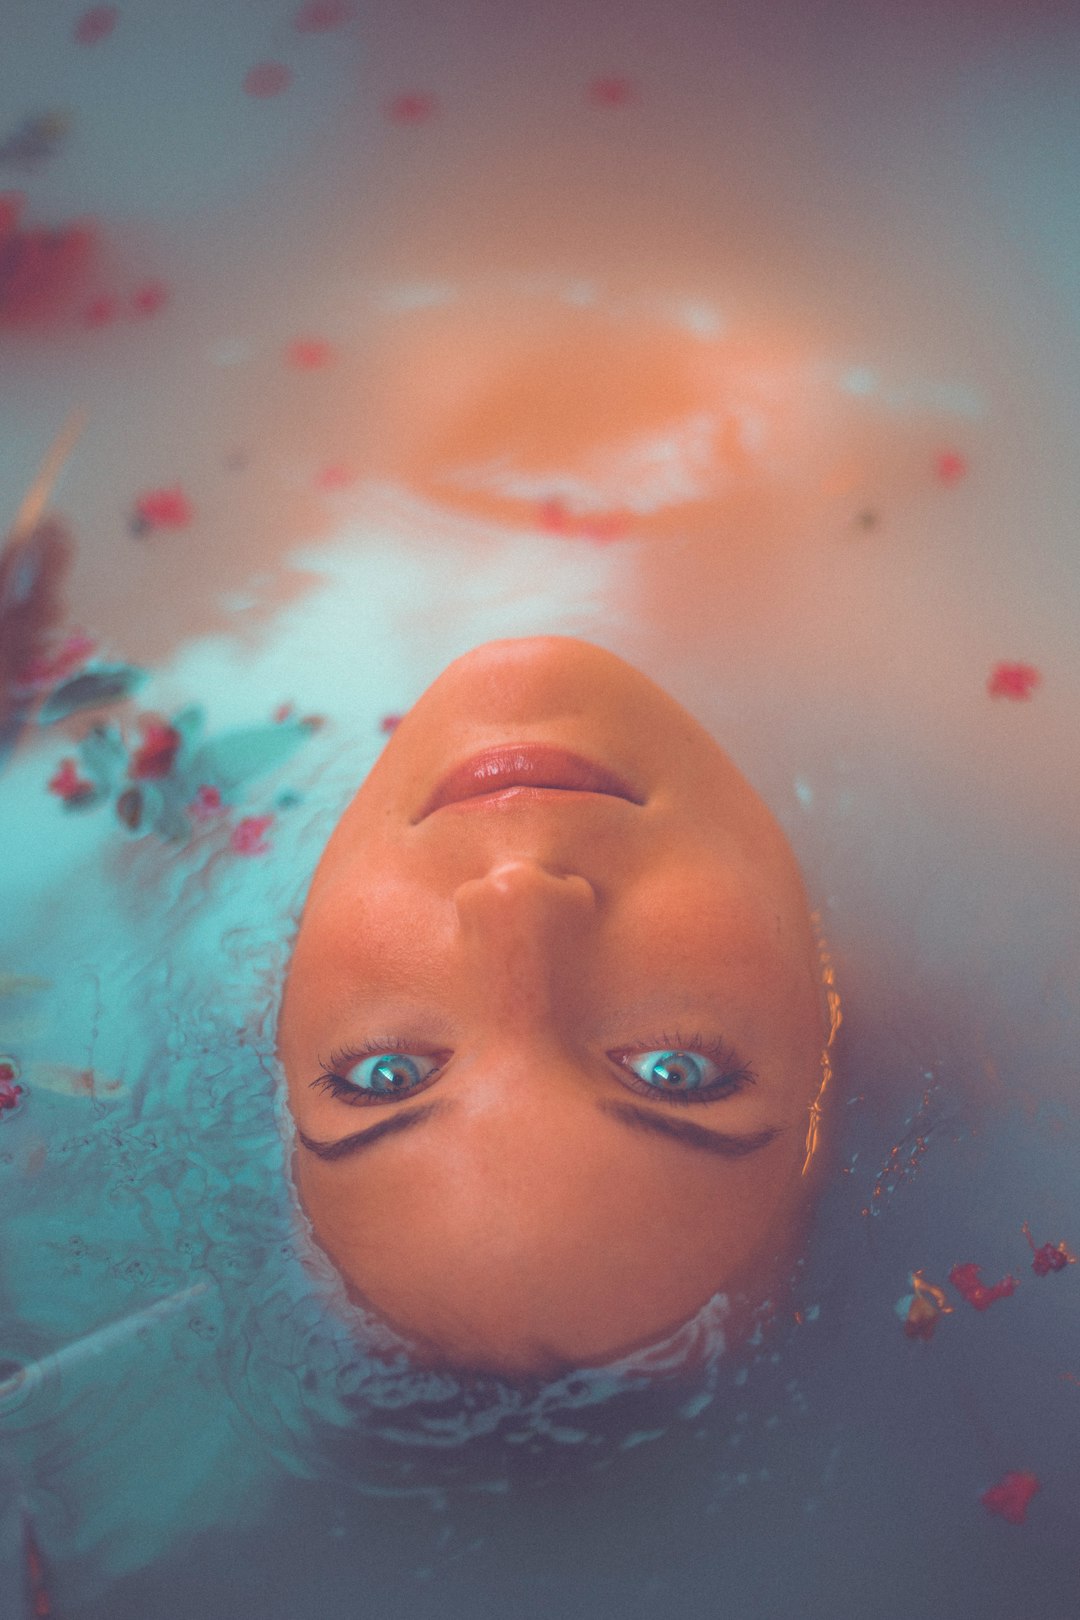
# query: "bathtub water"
741,341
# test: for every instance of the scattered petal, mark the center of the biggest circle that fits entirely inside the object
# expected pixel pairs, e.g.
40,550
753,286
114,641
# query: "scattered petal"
68,785
1049,1257
10,1069
598,526
411,108
206,804
40,267
612,91
99,311
308,354
950,466
95,24
44,671
335,476
554,516
9,1096
1016,681
155,757
967,1282
247,836
604,526
150,297
1011,1495
319,16
267,79
163,509
390,721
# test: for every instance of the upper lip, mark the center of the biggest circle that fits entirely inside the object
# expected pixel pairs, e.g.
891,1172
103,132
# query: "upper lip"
535,765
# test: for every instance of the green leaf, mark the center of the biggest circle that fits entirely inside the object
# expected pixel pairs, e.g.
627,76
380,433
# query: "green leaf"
109,683
227,762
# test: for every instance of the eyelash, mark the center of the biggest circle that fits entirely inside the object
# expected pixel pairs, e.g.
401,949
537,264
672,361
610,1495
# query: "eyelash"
734,1075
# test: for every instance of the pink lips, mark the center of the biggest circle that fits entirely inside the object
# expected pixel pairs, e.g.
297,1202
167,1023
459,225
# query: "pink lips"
532,765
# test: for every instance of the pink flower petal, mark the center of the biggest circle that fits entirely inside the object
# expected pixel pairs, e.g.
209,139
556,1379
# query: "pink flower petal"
412,107
267,79
1011,1495
1016,681
164,509
950,466
319,16
611,91
308,354
97,23
967,1282
150,297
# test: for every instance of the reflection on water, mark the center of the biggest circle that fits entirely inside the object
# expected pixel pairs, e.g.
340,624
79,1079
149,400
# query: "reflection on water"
760,374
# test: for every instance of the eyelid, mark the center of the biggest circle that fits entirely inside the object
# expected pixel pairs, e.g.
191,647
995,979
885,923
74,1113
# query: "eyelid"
735,1074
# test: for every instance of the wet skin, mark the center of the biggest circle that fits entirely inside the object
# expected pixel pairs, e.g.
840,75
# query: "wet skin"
596,1025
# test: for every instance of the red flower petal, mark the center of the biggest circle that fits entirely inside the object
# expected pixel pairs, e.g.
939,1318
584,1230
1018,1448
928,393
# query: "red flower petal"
100,311
1013,680
267,79
335,477
154,759
967,1282
67,784
319,16
97,23
164,509
206,803
612,91
411,108
950,466
390,721
247,835
150,297
308,354
1011,1495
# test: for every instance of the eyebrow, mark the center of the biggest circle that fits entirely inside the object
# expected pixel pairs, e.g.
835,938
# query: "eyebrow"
724,1144
359,1140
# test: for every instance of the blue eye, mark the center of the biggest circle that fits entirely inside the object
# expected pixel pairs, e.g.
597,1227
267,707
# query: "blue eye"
674,1071
387,1075
688,1070
376,1074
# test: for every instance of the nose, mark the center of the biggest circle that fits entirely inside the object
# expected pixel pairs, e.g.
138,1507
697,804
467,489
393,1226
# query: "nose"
521,925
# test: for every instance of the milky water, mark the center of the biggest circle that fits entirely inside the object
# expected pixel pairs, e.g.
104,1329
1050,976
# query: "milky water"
741,341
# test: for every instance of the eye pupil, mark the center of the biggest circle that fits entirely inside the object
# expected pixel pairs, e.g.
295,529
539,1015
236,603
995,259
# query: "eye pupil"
391,1073
679,1075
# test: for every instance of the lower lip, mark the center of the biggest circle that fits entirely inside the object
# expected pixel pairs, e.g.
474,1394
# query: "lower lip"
509,795
525,771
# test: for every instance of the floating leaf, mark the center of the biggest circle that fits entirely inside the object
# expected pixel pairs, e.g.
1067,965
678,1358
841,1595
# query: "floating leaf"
229,761
103,756
129,807
109,683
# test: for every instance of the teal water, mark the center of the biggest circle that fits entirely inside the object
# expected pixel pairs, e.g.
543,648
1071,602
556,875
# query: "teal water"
744,343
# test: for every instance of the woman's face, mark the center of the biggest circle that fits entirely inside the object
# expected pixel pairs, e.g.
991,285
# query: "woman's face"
575,1035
